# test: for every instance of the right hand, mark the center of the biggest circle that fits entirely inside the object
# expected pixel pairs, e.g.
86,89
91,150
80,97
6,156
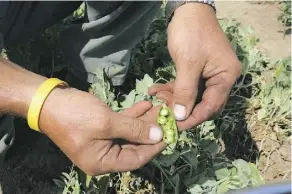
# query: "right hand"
85,128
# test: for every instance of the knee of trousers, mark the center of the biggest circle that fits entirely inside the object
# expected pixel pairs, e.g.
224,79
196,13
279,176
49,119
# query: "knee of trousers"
7,133
106,42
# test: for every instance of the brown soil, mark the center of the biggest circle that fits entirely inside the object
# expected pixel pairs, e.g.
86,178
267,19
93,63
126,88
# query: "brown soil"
263,19
275,152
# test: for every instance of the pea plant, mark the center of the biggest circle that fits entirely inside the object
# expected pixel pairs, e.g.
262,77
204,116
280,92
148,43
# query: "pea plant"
195,160
192,161
285,16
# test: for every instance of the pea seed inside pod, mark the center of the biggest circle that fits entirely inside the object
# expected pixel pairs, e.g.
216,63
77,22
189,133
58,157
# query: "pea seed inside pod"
162,120
164,112
167,122
169,133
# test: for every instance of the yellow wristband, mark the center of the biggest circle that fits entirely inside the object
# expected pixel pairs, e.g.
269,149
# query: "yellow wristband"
38,100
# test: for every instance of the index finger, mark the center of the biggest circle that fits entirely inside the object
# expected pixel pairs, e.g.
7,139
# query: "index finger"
213,99
138,109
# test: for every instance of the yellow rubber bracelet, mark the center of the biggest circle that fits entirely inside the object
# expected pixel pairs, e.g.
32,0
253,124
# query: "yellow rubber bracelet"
38,100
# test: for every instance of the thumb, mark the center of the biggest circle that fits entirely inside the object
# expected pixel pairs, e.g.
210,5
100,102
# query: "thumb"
185,90
134,130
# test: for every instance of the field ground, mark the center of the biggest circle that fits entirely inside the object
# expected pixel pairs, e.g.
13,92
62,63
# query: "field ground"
34,161
263,20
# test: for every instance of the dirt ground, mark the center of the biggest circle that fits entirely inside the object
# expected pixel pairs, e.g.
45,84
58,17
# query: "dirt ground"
275,154
263,19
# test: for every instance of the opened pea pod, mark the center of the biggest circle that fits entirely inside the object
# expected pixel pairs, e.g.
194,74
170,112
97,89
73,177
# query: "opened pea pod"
167,122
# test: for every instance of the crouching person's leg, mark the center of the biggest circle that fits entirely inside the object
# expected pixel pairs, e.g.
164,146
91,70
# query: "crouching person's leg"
6,135
105,39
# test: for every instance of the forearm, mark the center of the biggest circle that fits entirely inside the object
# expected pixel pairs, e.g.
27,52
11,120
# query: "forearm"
17,86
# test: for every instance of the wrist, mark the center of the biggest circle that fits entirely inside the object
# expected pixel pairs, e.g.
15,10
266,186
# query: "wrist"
195,18
172,6
58,98
194,11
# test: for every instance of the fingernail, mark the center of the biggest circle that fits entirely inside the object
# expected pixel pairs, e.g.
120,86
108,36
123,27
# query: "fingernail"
179,112
155,134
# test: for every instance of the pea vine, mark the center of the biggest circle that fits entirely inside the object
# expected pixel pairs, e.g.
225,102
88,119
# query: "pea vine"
194,161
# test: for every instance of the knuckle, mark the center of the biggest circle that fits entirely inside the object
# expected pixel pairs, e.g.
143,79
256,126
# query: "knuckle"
213,107
137,129
142,160
183,94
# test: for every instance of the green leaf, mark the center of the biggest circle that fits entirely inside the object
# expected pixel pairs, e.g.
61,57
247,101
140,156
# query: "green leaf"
192,158
143,85
222,173
130,99
223,187
88,179
233,171
168,160
245,65
157,102
277,101
59,183
211,147
242,165
209,182
234,45
255,175
66,175
139,97
237,184
99,92
279,70
196,189
184,140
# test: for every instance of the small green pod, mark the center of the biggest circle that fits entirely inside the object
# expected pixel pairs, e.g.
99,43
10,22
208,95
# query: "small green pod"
167,122
168,125
169,140
169,133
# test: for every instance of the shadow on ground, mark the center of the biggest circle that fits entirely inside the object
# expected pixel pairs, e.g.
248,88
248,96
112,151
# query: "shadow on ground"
232,125
31,163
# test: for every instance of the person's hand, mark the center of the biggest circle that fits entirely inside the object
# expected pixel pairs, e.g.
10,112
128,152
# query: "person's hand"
97,139
201,51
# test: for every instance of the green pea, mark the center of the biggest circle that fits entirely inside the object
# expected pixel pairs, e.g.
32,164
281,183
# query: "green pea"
167,122
169,133
164,112
168,125
162,120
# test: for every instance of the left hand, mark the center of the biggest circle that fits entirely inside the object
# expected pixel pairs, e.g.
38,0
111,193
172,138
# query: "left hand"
200,50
